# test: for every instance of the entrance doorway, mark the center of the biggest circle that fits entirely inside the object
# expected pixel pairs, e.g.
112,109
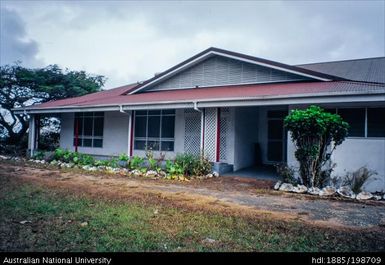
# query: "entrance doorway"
276,136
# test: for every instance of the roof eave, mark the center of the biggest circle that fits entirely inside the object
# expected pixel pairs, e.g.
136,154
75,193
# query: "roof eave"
219,102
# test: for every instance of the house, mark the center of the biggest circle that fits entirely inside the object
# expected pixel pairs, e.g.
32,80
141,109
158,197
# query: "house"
231,106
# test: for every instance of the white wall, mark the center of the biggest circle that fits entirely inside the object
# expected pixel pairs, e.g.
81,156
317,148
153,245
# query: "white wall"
354,153
115,134
245,137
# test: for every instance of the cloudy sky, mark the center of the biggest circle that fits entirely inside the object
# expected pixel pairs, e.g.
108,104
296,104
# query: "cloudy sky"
127,41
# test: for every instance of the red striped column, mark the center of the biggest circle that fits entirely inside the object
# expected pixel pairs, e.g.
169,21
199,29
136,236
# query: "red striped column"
218,141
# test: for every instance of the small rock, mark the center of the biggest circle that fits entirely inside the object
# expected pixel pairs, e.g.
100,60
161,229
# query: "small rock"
383,197
156,211
364,195
136,173
25,222
314,191
208,240
215,174
346,191
286,187
277,185
300,189
377,197
327,191
84,224
162,173
209,175
151,174
53,163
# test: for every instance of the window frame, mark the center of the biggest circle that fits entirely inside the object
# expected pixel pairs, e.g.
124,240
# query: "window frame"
159,139
93,137
365,122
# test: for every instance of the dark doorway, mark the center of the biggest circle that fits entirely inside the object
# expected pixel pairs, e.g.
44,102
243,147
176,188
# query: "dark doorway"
276,136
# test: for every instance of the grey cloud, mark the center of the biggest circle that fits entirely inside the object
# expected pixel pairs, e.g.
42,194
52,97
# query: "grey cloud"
287,31
14,44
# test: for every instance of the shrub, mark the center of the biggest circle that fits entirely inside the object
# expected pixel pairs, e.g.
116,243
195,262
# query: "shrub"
355,180
193,164
136,162
123,157
312,131
174,168
39,155
287,173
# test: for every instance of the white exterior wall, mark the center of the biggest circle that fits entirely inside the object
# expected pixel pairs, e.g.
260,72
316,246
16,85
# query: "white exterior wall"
115,134
179,138
353,153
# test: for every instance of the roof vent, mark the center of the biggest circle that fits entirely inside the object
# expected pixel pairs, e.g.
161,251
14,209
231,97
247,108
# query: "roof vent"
156,74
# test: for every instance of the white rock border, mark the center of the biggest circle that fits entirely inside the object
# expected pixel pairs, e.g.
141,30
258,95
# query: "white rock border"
117,170
328,191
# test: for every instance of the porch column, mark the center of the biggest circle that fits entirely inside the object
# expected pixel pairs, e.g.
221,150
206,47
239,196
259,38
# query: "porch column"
218,135
202,147
130,133
210,134
32,134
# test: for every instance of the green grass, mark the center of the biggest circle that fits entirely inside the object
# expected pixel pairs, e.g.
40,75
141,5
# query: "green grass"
56,219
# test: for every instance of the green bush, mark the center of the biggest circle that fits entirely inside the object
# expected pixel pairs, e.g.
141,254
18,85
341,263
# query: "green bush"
312,131
136,162
67,156
174,168
287,173
123,157
39,155
193,165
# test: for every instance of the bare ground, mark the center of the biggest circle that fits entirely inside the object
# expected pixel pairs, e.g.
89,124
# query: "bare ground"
227,194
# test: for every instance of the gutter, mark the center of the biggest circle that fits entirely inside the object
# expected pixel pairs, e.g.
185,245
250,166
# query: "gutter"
196,106
215,102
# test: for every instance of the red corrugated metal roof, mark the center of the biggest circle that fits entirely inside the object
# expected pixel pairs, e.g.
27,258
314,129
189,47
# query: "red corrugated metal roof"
115,97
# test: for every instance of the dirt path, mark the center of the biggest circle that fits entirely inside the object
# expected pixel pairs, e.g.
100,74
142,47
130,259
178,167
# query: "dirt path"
227,193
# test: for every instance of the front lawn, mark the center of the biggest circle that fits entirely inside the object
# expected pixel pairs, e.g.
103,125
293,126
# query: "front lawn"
61,220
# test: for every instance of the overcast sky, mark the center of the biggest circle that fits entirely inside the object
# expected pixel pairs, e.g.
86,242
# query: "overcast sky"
127,41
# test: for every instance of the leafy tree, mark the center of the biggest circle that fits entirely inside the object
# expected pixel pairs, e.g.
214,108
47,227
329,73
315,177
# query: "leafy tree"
20,86
313,131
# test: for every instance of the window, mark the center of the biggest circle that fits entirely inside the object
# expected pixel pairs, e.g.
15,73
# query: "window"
356,119
89,127
376,122
364,122
154,129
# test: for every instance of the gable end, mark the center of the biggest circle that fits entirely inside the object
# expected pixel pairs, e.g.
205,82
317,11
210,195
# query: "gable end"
219,71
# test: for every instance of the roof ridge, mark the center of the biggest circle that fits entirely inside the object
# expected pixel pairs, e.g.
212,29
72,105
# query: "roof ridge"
337,61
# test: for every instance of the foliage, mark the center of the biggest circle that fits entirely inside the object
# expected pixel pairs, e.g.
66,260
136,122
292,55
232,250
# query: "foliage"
20,86
104,163
49,141
173,168
124,157
313,131
152,162
67,156
39,155
193,165
136,162
113,162
287,173
355,180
